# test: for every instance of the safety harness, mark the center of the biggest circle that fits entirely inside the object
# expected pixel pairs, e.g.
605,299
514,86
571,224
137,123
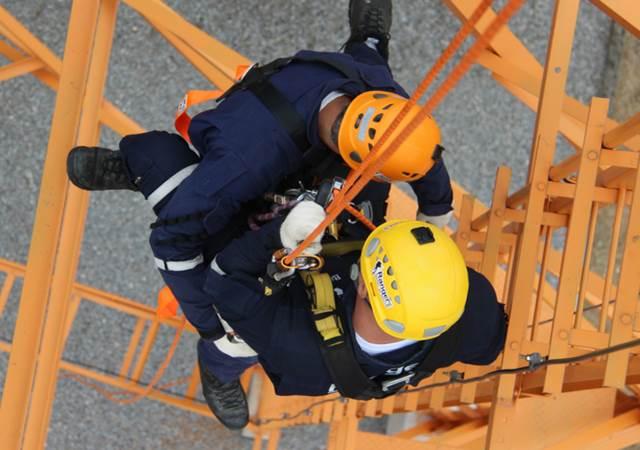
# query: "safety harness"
256,80
336,344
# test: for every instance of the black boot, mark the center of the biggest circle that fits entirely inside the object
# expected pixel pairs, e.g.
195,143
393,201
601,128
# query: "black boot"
371,18
226,400
98,169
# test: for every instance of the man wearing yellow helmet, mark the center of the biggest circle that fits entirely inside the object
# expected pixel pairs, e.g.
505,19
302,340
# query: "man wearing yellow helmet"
403,306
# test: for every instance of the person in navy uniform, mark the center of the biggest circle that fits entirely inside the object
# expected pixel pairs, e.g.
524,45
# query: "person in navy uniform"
295,120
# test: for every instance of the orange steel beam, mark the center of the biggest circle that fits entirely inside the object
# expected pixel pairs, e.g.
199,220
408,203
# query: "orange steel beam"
577,233
600,431
621,134
543,149
218,54
504,42
574,114
201,52
199,62
625,12
126,385
627,296
77,205
20,67
49,76
48,220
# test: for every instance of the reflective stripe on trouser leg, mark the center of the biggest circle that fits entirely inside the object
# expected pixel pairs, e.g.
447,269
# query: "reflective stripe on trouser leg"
226,368
153,158
237,348
168,186
179,266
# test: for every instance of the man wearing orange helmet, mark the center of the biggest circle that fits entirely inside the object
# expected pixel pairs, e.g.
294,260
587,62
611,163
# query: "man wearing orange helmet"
295,121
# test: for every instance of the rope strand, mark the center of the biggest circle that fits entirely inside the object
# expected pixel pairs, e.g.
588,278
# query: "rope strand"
369,170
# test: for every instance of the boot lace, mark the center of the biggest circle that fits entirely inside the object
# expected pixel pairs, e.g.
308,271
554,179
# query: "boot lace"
113,169
230,395
374,23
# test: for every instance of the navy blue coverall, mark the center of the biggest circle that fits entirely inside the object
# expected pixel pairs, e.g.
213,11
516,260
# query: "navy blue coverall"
242,152
281,330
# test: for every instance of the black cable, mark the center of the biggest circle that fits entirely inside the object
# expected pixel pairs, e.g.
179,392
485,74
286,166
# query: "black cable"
536,361
588,308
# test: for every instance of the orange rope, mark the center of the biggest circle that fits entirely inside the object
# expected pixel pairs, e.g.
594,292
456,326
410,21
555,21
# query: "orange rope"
370,167
361,217
125,397
431,75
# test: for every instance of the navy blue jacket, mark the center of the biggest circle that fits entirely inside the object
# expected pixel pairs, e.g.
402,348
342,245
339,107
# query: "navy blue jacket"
245,153
280,328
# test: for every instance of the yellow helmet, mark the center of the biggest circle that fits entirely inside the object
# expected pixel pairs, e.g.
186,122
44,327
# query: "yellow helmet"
416,279
367,118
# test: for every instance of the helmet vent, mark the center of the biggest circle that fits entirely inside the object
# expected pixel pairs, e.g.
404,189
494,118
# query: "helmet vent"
394,285
378,117
390,271
431,332
370,146
437,152
394,326
372,246
358,120
379,95
355,156
388,106
372,133
397,299
406,174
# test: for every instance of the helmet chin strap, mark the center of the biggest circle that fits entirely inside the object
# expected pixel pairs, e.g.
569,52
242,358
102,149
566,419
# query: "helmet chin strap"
327,118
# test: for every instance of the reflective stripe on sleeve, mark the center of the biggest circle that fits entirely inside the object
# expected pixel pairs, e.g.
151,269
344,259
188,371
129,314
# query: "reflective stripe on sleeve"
216,268
179,266
168,186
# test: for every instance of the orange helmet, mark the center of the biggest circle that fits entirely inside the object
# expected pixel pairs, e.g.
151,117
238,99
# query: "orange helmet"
367,118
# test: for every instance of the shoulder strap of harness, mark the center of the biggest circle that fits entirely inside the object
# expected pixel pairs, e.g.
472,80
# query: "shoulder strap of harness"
335,344
348,71
257,81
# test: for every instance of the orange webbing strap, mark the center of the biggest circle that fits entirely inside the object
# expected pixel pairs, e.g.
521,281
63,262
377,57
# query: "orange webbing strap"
361,217
370,167
191,98
195,97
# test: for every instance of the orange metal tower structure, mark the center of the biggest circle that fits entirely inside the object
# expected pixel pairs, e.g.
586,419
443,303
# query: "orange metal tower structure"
588,404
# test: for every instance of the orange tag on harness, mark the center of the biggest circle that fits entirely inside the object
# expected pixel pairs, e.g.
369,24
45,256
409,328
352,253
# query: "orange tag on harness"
191,98
242,70
167,304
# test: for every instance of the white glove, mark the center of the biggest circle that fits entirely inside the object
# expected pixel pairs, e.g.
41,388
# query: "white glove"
299,223
440,221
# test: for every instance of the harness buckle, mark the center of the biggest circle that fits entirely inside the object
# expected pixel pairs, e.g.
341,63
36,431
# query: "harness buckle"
405,379
302,262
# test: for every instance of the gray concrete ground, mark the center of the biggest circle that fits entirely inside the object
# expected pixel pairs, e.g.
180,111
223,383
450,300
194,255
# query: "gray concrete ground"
483,127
